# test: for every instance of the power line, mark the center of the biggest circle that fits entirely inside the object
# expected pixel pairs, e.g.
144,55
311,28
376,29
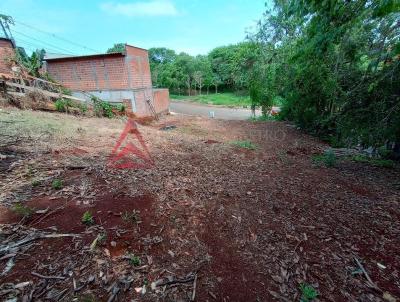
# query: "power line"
55,36
51,45
21,41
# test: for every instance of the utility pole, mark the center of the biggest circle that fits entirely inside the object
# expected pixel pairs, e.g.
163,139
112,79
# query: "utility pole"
4,23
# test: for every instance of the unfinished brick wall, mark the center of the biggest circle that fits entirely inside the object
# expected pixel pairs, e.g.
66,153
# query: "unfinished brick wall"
161,100
6,52
117,77
103,72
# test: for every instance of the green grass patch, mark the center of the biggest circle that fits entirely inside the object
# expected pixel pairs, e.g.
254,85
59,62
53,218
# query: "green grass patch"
245,145
377,162
263,118
224,99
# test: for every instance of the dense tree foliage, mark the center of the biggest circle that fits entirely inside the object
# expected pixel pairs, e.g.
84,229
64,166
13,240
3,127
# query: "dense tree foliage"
118,47
336,66
224,68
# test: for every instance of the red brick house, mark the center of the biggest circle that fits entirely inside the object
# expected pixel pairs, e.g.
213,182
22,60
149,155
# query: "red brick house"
6,53
120,77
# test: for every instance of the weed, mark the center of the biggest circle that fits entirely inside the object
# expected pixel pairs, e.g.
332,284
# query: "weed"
131,217
244,144
57,184
62,105
82,107
22,210
328,158
308,293
102,108
120,107
87,218
35,182
384,163
134,260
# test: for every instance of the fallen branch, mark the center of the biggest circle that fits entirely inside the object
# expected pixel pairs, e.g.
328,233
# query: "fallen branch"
370,282
28,239
177,281
45,216
48,277
194,288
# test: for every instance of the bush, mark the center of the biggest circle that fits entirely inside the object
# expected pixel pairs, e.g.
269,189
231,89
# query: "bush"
102,108
328,159
62,105
120,107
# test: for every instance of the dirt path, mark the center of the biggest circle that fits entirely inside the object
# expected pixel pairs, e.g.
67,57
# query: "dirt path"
247,225
219,112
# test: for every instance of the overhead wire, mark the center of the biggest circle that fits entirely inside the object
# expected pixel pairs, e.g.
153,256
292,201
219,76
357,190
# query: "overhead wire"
44,43
30,44
55,36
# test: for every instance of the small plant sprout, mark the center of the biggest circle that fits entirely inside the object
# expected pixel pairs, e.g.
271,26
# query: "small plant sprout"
87,218
134,260
22,210
131,217
308,293
57,184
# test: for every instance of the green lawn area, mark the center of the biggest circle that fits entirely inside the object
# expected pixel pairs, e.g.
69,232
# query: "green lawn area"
226,99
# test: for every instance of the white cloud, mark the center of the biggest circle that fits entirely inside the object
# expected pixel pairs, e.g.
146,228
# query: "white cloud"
149,8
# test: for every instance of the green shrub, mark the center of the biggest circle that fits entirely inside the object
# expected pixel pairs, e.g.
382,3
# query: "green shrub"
57,184
308,293
102,108
328,159
82,107
87,218
120,107
62,105
245,144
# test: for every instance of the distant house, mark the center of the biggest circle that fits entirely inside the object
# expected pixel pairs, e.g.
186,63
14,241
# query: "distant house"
120,77
6,53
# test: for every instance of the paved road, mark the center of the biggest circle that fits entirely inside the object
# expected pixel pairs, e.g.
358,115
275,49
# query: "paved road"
207,111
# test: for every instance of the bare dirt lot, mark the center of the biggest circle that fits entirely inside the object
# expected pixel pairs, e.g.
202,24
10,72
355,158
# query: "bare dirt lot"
209,221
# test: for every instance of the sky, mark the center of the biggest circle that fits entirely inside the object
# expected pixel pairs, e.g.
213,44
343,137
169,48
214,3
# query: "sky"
191,26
